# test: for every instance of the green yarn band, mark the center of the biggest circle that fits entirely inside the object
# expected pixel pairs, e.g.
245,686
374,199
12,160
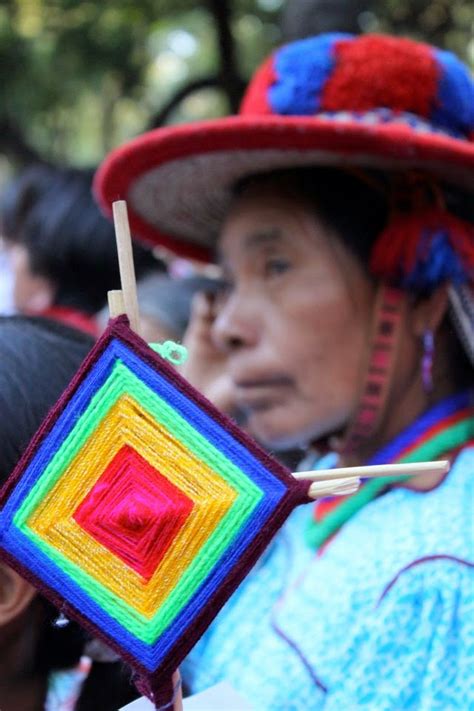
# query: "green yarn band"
452,437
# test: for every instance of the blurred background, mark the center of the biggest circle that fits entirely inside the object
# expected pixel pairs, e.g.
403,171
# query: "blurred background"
78,78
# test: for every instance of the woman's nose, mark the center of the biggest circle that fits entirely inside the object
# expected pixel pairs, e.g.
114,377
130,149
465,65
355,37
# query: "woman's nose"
236,323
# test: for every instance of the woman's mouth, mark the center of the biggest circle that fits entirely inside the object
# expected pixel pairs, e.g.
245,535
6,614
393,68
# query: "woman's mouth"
261,392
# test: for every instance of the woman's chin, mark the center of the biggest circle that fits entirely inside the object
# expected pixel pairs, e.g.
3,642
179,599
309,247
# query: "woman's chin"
285,427
278,430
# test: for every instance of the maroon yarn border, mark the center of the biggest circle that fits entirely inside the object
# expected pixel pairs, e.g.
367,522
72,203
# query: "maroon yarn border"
296,494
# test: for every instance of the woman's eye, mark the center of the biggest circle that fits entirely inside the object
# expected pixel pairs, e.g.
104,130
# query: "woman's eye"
276,266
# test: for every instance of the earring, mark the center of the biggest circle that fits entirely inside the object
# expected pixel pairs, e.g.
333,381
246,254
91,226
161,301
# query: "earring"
427,361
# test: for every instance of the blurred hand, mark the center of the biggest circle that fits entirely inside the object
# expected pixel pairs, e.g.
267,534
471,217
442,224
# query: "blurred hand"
206,365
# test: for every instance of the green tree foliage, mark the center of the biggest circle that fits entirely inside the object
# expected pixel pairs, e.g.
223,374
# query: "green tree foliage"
77,78
447,23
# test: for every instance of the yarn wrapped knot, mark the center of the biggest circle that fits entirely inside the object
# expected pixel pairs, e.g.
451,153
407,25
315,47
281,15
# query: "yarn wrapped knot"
423,249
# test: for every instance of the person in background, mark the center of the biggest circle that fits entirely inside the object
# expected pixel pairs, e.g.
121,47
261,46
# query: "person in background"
339,207
180,309
164,304
44,662
61,249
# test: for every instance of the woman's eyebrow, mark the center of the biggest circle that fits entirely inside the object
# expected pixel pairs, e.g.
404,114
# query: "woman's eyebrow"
261,238
252,242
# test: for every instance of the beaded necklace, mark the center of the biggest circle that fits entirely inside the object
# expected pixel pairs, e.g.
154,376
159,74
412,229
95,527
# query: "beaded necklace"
441,430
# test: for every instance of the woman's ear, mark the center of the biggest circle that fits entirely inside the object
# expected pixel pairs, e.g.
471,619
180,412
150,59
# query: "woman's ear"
15,594
32,292
429,312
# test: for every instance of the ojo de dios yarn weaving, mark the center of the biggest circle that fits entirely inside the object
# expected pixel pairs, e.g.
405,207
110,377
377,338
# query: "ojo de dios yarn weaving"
138,508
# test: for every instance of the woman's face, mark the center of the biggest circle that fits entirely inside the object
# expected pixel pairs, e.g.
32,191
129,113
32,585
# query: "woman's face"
294,319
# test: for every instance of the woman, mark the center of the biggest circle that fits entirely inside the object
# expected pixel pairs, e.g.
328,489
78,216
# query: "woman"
41,655
337,202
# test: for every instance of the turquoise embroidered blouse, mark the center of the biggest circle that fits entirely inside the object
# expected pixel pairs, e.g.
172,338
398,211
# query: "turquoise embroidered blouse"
383,620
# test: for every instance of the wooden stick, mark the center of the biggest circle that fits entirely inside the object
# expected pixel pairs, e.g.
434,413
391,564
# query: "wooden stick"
336,487
116,303
372,471
127,269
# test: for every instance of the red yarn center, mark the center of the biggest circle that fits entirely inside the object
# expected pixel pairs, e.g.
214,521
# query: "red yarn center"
134,511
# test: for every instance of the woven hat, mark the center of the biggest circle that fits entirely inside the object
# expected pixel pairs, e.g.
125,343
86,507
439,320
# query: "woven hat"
336,100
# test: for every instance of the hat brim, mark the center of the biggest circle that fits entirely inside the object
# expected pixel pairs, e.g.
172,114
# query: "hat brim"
178,180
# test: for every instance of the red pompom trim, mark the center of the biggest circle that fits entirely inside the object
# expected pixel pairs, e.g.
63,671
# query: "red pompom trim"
377,71
397,248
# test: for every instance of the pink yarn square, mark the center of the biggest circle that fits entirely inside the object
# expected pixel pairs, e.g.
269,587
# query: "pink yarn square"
134,511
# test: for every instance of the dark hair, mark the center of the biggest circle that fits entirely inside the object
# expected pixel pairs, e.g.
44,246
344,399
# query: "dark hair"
38,357
51,212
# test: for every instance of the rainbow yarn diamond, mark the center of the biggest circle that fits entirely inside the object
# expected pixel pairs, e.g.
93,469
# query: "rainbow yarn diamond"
138,508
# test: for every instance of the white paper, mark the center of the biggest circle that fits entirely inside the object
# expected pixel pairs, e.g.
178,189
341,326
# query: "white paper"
222,697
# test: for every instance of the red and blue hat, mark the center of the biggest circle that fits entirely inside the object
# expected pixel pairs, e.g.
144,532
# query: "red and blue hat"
371,101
